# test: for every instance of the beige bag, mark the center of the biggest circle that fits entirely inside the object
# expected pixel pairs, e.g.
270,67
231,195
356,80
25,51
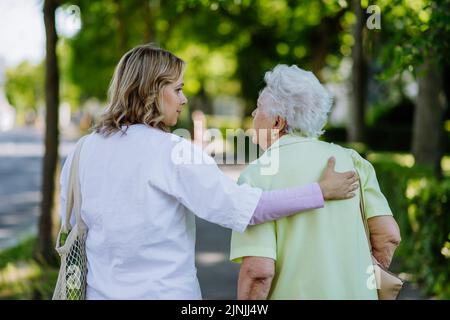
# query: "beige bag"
70,244
388,284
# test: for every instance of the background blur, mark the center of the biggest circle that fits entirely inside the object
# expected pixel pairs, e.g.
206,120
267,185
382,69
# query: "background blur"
387,63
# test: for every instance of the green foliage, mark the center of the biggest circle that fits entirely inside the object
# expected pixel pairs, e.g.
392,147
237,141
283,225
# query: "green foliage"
272,32
22,251
429,217
412,31
24,86
228,45
421,207
21,277
96,48
70,92
110,28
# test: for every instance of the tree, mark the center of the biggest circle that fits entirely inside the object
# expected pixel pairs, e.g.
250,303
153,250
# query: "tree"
44,250
228,44
111,27
428,118
265,33
24,87
427,145
415,37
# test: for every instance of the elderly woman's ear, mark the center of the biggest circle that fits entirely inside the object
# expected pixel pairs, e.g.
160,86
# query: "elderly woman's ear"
280,124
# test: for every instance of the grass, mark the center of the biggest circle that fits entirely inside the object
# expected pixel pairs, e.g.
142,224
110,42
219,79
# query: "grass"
21,277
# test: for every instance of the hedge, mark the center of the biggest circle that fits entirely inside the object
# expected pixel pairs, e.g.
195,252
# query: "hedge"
421,206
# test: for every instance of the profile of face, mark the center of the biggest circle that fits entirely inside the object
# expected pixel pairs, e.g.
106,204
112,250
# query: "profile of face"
173,100
267,128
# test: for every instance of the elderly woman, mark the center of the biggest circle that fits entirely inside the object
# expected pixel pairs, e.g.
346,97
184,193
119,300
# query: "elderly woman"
323,253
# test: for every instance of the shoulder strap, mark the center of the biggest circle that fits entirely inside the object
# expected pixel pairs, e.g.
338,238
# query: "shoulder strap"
73,202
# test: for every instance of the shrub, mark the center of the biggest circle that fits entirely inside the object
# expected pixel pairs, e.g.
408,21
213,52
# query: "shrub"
23,278
420,204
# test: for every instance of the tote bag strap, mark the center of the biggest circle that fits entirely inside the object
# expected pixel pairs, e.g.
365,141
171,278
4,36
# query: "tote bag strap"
73,200
363,211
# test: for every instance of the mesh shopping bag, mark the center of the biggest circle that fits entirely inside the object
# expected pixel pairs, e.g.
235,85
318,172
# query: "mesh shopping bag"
70,244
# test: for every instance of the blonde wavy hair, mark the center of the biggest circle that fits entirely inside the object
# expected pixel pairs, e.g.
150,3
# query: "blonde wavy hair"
135,92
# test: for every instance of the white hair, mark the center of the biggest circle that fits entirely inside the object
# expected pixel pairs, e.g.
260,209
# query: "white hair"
299,98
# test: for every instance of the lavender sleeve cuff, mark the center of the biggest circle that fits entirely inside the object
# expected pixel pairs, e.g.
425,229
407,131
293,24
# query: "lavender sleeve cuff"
278,204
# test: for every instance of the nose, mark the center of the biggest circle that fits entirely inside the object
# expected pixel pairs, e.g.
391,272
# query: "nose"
184,100
254,113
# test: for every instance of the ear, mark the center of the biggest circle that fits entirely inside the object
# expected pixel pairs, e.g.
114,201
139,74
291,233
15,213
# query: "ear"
280,123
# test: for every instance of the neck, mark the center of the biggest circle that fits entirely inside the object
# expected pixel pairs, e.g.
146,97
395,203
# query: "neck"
275,139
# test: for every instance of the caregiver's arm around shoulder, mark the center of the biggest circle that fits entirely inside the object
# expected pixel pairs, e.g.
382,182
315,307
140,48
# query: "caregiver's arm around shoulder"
276,204
206,191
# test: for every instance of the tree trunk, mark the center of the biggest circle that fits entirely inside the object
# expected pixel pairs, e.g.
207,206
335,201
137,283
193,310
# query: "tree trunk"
151,12
44,251
121,28
148,21
356,127
446,115
428,127
321,46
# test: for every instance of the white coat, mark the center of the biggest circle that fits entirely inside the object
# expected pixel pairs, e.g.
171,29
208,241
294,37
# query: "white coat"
139,192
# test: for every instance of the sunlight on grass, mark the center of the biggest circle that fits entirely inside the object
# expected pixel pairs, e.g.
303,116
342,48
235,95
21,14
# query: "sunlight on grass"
447,125
27,280
14,280
403,159
414,187
445,164
21,277
18,272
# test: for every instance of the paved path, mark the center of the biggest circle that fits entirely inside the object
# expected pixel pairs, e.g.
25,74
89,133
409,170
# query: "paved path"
217,275
21,152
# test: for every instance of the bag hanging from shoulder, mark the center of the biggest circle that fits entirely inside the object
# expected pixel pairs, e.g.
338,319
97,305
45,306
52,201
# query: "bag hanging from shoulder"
70,244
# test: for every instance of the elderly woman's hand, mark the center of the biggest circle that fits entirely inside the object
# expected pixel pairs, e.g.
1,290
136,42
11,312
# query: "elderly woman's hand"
384,237
335,185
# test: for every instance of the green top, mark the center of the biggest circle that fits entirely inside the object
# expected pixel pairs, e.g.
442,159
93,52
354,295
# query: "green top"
321,253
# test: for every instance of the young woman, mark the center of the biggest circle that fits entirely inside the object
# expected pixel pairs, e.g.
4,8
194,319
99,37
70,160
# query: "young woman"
140,183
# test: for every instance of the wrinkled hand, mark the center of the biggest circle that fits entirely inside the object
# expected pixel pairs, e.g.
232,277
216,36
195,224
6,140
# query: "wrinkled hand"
384,237
335,185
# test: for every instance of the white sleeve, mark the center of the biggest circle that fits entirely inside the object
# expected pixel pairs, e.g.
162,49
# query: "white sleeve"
205,190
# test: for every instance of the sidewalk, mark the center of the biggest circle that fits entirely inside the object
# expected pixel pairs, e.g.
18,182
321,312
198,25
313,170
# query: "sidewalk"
21,152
